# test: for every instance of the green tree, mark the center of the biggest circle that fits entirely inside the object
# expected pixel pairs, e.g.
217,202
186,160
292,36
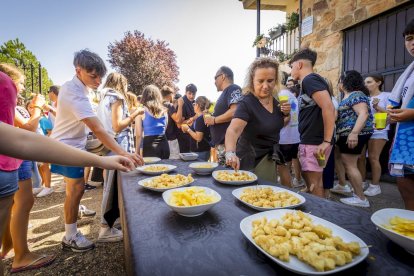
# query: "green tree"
15,52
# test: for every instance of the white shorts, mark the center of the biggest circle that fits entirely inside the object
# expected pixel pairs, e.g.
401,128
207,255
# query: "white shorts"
380,134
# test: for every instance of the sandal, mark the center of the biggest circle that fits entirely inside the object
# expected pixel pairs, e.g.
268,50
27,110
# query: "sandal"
47,260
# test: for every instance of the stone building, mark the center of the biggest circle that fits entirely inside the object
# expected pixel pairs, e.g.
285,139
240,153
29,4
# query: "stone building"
365,35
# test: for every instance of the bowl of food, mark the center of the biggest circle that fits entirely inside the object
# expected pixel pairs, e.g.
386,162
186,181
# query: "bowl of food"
203,168
397,225
232,177
191,201
189,156
151,160
156,169
166,182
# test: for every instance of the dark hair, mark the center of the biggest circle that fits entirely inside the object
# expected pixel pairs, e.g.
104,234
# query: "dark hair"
203,103
54,89
191,88
409,28
285,77
306,54
377,78
295,90
90,62
166,90
227,72
353,81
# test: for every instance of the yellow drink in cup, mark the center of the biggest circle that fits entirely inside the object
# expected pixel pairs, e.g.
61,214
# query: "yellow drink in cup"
321,160
283,98
380,120
206,115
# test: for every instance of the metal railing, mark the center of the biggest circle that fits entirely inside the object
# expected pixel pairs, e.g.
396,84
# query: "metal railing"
285,44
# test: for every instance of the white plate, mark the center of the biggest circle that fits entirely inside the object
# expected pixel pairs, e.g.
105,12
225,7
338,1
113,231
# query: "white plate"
169,168
238,192
382,217
215,174
143,181
294,263
151,160
191,211
203,171
188,156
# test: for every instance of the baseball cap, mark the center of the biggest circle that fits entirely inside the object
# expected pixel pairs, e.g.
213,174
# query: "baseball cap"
191,88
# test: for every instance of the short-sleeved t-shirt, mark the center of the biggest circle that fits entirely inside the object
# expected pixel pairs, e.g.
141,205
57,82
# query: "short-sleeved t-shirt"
263,128
383,102
230,95
8,95
172,129
347,116
290,134
203,145
311,127
73,107
45,125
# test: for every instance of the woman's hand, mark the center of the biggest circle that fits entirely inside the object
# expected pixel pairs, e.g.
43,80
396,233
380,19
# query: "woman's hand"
232,160
285,108
352,140
39,100
117,162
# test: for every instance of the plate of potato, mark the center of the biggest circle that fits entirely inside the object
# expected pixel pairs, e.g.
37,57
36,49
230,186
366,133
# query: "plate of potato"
203,168
151,160
166,182
233,177
191,201
156,169
304,243
266,197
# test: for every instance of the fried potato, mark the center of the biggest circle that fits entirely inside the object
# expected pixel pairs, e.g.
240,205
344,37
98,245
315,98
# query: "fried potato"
191,197
267,198
402,226
234,176
168,181
155,168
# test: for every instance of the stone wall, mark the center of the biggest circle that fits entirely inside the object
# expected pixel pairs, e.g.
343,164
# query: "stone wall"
330,17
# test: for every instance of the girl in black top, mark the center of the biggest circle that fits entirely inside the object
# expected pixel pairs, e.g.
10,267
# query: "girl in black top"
199,132
258,118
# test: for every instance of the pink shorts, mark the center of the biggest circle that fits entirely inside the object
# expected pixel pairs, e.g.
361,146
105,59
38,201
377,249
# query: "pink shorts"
308,160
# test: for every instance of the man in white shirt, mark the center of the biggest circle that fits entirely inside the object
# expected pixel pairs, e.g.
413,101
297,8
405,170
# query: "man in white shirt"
74,115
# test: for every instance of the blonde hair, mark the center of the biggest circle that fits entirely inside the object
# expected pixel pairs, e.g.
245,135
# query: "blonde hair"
261,62
12,71
132,99
119,83
152,99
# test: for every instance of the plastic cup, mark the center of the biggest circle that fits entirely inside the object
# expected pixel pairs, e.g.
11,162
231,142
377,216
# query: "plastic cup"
321,161
283,99
380,120
207,115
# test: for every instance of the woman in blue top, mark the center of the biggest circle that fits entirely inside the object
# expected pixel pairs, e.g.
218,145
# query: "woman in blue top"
354,128
199,131
152,124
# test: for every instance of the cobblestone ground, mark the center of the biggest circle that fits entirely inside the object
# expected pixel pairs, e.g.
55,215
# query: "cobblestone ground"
47,231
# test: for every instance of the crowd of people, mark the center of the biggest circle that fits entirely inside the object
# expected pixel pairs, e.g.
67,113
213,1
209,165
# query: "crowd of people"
294,126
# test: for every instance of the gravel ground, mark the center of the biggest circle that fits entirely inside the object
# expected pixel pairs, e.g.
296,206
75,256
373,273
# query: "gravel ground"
107,258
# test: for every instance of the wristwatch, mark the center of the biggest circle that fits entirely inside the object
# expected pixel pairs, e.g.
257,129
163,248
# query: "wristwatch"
229,154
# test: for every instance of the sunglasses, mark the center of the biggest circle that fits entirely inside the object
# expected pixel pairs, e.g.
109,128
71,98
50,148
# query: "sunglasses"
215,77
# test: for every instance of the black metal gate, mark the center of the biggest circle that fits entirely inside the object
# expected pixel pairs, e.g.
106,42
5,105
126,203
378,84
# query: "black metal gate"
377,45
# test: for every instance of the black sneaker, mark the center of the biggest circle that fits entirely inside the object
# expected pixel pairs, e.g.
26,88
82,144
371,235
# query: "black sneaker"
89,187
78,243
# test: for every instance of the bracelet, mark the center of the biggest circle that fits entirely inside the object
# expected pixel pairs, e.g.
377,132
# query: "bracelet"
229,154
326,141
214,120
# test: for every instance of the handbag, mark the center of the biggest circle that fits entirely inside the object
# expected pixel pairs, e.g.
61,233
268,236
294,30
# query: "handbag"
95,146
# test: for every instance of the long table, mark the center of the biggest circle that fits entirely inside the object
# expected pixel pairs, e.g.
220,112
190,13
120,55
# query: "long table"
158,241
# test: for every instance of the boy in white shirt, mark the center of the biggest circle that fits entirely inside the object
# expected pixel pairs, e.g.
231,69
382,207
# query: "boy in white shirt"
74,116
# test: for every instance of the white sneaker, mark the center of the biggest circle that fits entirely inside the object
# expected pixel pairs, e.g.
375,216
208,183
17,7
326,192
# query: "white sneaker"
37,190
355,201
117,224
85,212
78,243
296,183
107,234
45,192
339,189
373,190
61,188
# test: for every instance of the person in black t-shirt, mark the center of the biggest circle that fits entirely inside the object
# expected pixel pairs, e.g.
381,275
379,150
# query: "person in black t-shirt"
258,119
223,110
199,132
185,115
316,119
172,130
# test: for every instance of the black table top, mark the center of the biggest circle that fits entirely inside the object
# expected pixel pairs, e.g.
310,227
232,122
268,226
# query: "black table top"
158,241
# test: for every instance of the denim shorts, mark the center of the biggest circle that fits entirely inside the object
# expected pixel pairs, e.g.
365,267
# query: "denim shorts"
66,171
8,182
25,170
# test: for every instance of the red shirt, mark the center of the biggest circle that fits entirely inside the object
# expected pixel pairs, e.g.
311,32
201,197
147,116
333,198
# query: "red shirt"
8,101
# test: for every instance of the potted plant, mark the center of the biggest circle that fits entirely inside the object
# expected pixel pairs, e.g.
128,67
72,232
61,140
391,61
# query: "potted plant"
260,41
277,31
292,21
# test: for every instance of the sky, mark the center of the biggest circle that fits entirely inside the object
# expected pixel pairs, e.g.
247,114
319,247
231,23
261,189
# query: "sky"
204,34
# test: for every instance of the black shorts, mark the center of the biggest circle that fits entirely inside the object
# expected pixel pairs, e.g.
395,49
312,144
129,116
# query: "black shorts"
290,151
343,146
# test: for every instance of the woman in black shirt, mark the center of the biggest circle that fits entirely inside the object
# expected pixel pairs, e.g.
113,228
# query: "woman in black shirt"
199,132
259,117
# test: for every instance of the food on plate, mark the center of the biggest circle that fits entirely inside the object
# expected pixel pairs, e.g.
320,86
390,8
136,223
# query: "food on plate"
203,166
402,226
155,168
234,176
267,198
295,234
168,181
191,197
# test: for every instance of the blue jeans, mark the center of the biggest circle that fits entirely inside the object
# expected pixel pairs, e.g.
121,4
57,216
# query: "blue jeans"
25,170
8,182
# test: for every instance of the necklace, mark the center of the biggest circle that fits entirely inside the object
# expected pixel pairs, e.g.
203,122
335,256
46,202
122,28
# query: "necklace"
265,103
